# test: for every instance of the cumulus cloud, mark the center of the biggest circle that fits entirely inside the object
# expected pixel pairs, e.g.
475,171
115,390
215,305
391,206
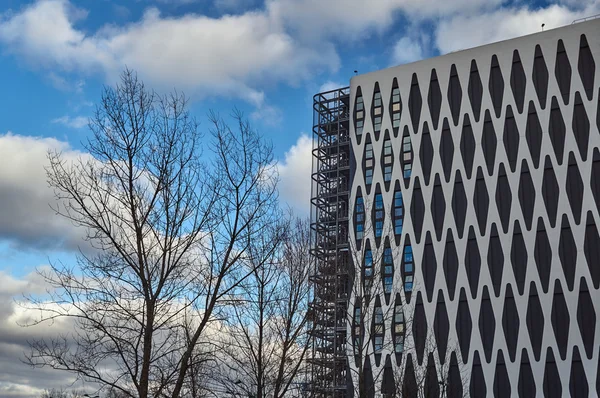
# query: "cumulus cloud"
230,55
294,174
26,218
466,31
407,50
76,122
330,85
16,379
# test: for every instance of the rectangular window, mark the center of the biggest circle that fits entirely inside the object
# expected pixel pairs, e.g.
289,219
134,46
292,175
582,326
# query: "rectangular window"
387,173
378,215
387,147
359,218
378,344
395,95
369,177
377,123
398,212
408,269
396,120
399,344
377,99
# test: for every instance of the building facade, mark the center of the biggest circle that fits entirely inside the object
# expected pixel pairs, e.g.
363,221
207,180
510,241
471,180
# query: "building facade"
456,210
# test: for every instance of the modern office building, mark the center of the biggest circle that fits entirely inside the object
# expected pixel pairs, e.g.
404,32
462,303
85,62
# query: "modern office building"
456,215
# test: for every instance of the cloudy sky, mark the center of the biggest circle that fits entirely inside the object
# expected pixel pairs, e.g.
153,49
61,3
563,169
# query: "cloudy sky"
266,57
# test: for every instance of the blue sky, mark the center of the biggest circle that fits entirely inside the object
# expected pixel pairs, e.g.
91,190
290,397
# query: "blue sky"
265,57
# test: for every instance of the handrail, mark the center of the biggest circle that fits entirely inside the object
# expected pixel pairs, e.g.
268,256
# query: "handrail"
585,19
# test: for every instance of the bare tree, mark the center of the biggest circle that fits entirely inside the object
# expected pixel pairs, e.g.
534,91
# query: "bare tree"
372,302
267,337
171,230
434,377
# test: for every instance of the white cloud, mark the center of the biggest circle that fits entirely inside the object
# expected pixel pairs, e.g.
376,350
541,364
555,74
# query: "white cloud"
230,56
26,219
76,122
16,378
468,31
330,85
294,173
407,50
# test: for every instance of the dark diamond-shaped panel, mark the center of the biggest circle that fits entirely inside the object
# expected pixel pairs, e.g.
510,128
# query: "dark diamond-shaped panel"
481,201
518,81
475,90
417,210
395,106
487,324
518,257
415,103
467,146
368,378
526,384
388,384
496,85
441,327
574,188
429,266
426,153
562,71
560,319
446,150
455,385
552,385
432,386
581,126
419,328
591,248
472,262
489,142
511,138
557,130
586,318
578,384
495,259
501,379
450,264
595,176
567,251
510,323
438,207
410,388
454,94
477,387
540,76
550,191
526,194
434,99
533,134
535,321
464,325
543,254
459,204
503,197
586,67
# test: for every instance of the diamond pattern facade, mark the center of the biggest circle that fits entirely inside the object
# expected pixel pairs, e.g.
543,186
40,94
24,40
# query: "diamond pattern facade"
496,160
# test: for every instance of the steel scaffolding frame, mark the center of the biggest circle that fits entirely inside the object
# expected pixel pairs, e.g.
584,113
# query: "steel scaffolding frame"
329,242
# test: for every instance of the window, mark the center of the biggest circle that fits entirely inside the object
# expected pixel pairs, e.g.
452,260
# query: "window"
398,215
398,331
388,270
377,123
378,215
395,95
387,160
357,323
378,320
396,119
408,269
369,163
407,156
359,114
368,269
359,218
377,99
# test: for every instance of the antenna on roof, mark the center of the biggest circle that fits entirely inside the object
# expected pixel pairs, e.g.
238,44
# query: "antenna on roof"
543,26
355,72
